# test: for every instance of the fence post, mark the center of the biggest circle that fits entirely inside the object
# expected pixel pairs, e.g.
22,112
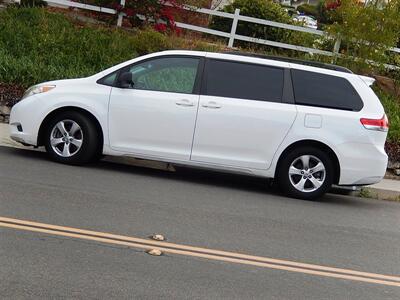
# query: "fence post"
336,47
121,14
234,27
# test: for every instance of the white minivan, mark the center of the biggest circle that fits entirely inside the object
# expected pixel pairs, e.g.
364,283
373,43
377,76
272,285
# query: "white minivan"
308,125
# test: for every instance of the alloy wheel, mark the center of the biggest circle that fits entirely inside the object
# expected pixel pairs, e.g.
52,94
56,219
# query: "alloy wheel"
307,173
66,138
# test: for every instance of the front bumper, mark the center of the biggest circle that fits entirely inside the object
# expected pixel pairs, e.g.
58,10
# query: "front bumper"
20,136
23,127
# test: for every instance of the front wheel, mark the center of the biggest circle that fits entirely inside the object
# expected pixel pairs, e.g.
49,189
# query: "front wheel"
306,173
71,138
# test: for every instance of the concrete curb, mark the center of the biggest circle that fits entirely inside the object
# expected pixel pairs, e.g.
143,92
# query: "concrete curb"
381,191
388,189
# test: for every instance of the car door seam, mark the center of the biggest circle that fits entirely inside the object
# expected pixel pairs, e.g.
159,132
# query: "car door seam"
202,82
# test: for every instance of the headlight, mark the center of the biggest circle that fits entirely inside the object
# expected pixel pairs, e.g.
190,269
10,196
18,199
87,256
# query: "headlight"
37,89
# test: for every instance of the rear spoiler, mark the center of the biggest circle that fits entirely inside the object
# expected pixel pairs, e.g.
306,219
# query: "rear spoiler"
368,80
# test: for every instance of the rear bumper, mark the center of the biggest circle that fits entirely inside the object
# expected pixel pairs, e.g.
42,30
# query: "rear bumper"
361,164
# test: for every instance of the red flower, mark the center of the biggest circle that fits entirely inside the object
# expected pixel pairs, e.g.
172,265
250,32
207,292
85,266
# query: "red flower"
160,27
118,7
333,5
129,12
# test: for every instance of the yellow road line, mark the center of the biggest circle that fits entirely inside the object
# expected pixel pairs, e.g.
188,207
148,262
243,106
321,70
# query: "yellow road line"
211,254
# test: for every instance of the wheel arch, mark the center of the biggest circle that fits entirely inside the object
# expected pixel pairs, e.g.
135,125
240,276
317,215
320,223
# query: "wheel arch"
318,145
52,114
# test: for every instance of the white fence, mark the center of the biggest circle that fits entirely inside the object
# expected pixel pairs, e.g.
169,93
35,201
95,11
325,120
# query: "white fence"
232,35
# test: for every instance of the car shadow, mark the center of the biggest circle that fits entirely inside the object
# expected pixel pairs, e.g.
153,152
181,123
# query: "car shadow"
195,175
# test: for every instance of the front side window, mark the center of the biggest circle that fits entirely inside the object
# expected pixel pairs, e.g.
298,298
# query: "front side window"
316,89
245,81
109,80
168,74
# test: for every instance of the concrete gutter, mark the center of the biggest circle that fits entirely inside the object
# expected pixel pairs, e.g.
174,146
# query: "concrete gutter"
387,189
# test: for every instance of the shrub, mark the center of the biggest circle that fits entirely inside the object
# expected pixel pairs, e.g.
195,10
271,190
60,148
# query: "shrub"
151,10
148,41
367,31
262,9
392,108
327,13
154,12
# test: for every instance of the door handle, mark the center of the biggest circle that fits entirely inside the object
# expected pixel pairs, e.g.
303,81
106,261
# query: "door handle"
184,102
212,104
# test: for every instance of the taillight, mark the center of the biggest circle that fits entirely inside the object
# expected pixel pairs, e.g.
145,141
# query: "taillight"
376,124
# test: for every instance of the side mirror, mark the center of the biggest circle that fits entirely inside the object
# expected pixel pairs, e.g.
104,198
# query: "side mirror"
125,80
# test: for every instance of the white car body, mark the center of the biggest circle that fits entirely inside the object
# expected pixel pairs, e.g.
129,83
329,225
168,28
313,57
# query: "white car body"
307,21
233,135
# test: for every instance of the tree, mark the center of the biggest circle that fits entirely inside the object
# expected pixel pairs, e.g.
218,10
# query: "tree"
368,31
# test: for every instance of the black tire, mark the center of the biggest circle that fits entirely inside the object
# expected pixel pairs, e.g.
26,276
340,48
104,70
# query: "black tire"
287,182
90,140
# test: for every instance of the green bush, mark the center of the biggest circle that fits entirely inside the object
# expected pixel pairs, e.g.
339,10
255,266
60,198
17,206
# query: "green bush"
326,16
262,9
148,41
392,109
367,31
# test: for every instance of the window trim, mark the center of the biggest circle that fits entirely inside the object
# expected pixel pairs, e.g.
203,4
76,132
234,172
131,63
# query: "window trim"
325,106
288,88
286,93
197,83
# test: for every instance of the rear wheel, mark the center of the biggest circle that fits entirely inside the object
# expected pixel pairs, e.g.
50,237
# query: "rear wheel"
72,138
306,173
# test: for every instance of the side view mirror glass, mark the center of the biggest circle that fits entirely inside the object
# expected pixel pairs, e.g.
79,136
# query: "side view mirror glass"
125,80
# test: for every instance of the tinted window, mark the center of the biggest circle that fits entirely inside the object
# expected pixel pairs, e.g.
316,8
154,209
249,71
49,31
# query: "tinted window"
245,81
172,74
109,79
322,90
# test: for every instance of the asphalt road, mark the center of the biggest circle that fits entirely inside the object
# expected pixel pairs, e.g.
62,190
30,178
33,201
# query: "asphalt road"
190,207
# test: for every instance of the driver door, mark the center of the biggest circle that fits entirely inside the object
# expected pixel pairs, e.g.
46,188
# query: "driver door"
156,115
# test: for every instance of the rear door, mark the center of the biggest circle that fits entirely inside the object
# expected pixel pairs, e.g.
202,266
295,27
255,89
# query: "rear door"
242,119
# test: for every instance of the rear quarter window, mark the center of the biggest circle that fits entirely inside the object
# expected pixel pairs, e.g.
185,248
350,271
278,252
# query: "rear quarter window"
321,90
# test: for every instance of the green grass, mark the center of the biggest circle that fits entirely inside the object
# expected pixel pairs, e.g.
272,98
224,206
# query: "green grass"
37,46
365,193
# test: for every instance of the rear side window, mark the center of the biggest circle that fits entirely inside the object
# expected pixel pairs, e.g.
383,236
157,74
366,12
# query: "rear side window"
244,81
315,89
